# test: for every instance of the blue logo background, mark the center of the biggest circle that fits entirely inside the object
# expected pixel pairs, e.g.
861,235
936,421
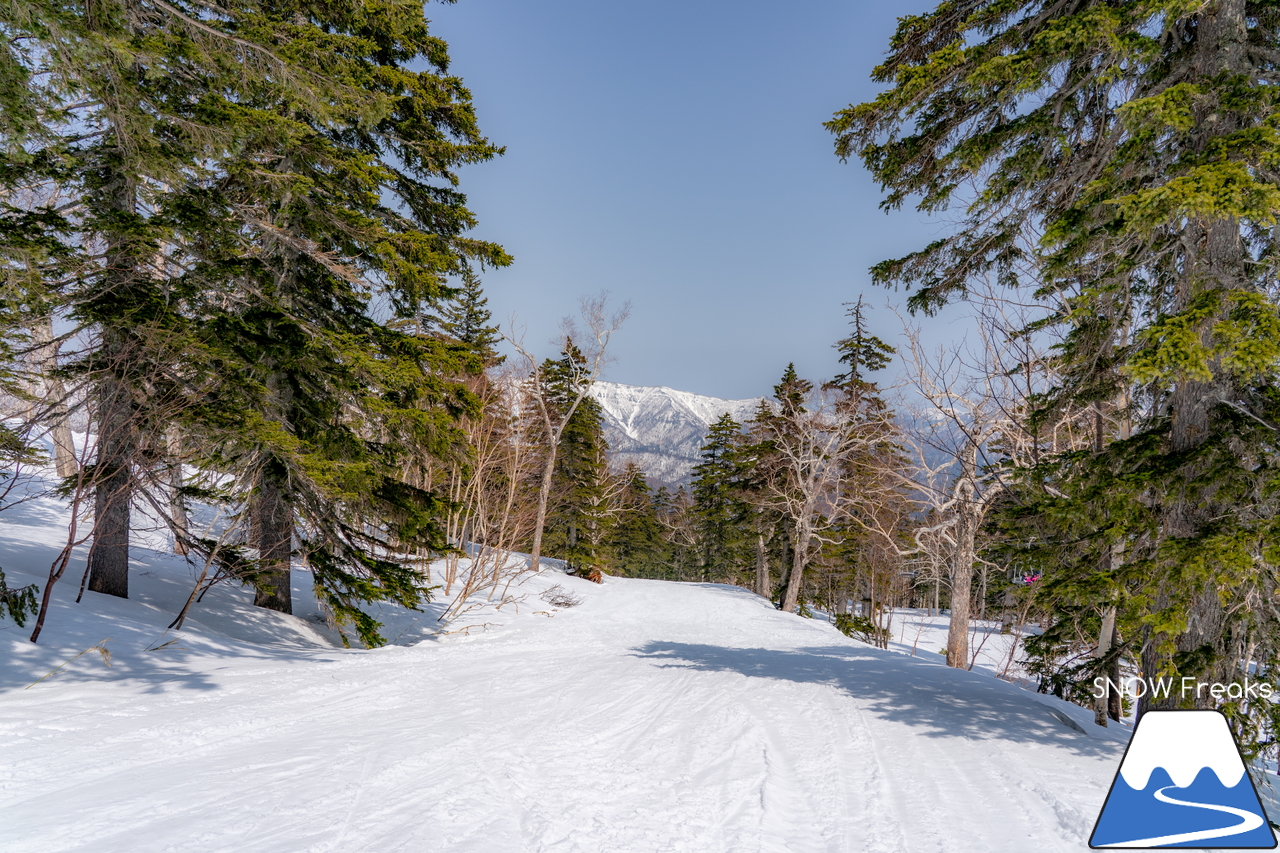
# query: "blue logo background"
1202,813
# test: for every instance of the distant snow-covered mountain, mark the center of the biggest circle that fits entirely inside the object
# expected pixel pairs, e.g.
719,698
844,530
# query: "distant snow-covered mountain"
661,429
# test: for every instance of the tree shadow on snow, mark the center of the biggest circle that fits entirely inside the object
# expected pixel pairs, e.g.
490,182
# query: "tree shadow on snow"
941,702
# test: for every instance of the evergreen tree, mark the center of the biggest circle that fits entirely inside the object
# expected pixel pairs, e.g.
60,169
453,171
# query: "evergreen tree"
577,510
635,541
120,107
860,353
556,396
757,461
259,176
465,317
863,555
1126,150
717,503
791,392
321,408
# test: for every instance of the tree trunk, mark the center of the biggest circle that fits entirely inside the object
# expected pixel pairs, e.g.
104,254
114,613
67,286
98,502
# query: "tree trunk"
117,447
271,515
177,506
1007,613
116,451
1102,699
55,395
961,590
1215,261
799,550
1115,706
273,524
762,568
784,564
966,508
544,497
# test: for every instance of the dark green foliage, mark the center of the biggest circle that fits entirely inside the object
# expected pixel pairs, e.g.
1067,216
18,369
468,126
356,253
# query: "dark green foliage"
635,539
465,317
19,602
719,509
1123,162
791,392
267,182
339,203
860,628
861,353
577,510
15,449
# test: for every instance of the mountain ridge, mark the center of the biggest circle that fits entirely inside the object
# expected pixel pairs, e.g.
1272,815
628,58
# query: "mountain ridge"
661,429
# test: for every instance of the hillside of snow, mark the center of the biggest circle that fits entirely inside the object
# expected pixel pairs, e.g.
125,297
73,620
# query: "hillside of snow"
660,429
651,716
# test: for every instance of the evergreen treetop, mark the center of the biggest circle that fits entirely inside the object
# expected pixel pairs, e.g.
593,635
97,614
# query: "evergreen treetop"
861,353
791,392
465,317
577,508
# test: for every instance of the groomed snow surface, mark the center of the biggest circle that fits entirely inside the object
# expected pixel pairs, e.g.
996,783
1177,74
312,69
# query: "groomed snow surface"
653,716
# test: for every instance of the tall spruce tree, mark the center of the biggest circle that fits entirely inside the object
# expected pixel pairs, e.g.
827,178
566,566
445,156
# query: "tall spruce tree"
791,392
718,507
261,176
1128,152
757,461
320,406
861,353
864,553
123,104
635,542
577,508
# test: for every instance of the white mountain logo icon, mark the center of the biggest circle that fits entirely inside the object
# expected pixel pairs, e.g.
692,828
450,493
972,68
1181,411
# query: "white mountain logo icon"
1182,783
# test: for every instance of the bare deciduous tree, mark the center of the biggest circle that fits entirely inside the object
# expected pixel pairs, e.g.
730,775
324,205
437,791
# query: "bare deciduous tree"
811,480
971,429
593,344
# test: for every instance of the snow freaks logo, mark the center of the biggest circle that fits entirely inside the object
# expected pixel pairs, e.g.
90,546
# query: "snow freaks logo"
1182,783
1160,688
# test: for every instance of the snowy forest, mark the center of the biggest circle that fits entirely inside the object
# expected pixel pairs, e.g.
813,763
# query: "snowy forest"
244,311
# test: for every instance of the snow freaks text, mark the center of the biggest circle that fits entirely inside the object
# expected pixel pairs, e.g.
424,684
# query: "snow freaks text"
1187,687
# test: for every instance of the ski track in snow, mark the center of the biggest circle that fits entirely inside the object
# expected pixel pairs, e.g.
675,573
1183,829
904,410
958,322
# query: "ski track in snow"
653,718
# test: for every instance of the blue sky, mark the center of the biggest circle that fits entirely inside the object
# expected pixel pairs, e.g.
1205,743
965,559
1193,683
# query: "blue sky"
673,153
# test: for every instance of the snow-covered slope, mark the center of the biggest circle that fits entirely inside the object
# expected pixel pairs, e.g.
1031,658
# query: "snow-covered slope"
661,429
652,717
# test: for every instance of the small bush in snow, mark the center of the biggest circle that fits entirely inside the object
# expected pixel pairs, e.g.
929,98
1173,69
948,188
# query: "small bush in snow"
860,627
558,596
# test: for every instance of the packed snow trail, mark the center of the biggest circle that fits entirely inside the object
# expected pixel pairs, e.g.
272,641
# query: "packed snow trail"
652,717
